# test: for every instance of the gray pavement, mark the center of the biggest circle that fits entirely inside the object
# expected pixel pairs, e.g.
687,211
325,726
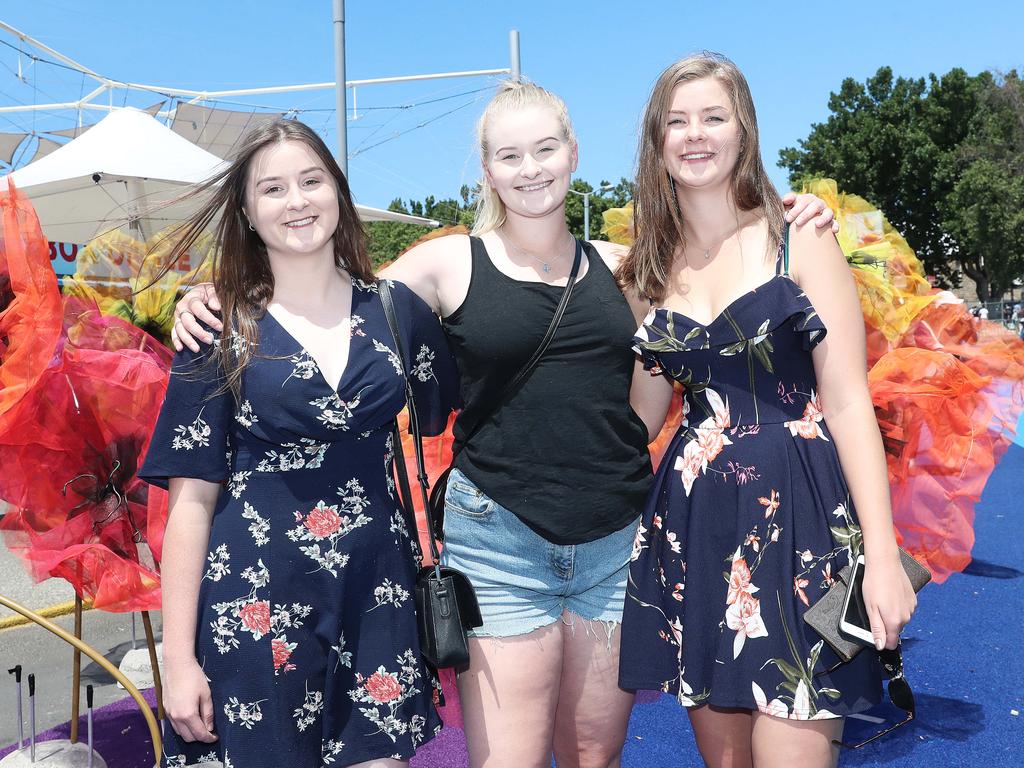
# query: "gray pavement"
50,658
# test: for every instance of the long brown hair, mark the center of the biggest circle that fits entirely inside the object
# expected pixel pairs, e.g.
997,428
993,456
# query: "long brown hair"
241,269
657,219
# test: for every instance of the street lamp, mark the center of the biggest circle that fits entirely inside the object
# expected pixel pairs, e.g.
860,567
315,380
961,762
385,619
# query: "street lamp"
586,205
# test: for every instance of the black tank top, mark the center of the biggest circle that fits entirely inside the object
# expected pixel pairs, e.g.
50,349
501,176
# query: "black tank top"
565,452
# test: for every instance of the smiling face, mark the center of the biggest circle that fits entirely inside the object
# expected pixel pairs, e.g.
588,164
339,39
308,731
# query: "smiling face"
292,200
702,135
529,161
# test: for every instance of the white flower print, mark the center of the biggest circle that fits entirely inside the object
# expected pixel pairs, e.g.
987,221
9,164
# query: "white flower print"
424,368
219,567
237,484
238,343
246,714
306,454
330,749
244,614
335,412
310,710
365,287
779,708
195,434
245,416
389,593
638,542
260,525
393,358
354,326
303,367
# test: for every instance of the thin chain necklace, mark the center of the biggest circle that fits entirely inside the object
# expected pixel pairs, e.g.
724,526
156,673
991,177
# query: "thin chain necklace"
719,244
545,265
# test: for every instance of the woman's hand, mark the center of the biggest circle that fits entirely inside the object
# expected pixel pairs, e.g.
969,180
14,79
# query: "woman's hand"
802,208
888,597
187,700
193,308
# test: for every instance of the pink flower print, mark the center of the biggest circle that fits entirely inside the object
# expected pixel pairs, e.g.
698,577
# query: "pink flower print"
256,618
656,522
688,465
753,540
798,590
322,522
829,579
744,616
383,687
808,426
771,505
282,651
677,592
739,580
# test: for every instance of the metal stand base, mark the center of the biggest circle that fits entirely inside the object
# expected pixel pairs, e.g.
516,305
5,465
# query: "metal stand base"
59,753
137,668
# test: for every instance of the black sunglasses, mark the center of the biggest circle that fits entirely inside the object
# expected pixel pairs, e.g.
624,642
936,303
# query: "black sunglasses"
899,694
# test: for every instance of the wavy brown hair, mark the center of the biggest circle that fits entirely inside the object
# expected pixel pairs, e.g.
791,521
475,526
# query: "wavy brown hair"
657,218
241,269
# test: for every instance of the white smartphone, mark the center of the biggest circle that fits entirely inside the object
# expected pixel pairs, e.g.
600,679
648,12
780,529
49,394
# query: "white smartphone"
853,621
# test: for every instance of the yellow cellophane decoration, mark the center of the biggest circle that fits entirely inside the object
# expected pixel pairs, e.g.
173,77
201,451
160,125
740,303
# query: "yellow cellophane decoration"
948,388
122,276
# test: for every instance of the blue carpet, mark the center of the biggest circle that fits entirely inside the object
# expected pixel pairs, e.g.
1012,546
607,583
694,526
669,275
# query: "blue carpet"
963,657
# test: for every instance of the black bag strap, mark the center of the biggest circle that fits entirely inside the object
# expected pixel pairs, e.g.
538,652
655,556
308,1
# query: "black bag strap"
405,493
516,380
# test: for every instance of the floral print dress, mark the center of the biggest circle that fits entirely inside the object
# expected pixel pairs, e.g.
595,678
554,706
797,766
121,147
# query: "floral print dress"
306,627
748,521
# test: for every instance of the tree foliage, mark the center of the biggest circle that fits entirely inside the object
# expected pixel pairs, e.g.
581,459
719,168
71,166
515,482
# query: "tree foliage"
911,146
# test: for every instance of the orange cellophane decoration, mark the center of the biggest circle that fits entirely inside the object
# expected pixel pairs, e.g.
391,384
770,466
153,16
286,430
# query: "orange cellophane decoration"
948,388
70,446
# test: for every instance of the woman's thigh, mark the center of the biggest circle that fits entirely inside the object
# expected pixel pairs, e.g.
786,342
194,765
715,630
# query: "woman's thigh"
593,712
509,696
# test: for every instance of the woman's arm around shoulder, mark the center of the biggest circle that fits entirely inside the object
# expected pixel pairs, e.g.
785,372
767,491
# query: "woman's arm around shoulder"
436,270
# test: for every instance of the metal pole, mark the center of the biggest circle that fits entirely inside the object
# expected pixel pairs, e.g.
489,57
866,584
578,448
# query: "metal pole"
339,84
586,215
513,46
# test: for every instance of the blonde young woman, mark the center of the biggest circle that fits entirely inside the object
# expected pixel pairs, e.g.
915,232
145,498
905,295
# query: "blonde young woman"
542,507
777,478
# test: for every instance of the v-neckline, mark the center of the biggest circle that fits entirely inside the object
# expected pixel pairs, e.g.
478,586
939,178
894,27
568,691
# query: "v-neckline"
336,389
728,306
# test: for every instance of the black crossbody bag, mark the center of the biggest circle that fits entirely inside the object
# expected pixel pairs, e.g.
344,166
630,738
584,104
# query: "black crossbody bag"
435,510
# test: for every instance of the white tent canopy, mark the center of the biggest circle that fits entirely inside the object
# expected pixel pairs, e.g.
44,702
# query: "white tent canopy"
126,170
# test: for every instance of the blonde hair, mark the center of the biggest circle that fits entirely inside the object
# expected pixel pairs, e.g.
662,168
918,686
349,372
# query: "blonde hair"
512,95
658,221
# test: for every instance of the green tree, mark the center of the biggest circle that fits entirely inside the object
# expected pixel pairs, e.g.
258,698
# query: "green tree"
387,239
604,197
889,140
984,210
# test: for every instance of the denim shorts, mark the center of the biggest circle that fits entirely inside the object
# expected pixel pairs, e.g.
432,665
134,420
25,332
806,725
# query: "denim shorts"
523,581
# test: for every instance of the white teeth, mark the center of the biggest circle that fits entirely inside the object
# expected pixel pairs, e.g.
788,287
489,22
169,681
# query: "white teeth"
300,222
533,187
698,156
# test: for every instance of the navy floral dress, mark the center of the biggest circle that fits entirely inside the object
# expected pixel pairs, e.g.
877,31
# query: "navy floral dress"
306,627
748,521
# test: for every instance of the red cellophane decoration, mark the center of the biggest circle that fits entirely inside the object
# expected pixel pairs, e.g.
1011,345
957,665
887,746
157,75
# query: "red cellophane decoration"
73,439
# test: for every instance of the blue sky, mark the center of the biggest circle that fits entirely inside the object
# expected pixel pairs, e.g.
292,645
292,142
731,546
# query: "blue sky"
602,57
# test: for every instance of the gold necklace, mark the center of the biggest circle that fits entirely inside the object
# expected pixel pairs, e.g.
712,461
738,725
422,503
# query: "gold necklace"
545,265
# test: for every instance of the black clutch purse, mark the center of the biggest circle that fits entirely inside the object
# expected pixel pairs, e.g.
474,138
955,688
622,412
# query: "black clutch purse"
824,615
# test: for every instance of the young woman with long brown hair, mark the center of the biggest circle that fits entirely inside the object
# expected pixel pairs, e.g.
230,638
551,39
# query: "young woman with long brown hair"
777,475
289,629
543,503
